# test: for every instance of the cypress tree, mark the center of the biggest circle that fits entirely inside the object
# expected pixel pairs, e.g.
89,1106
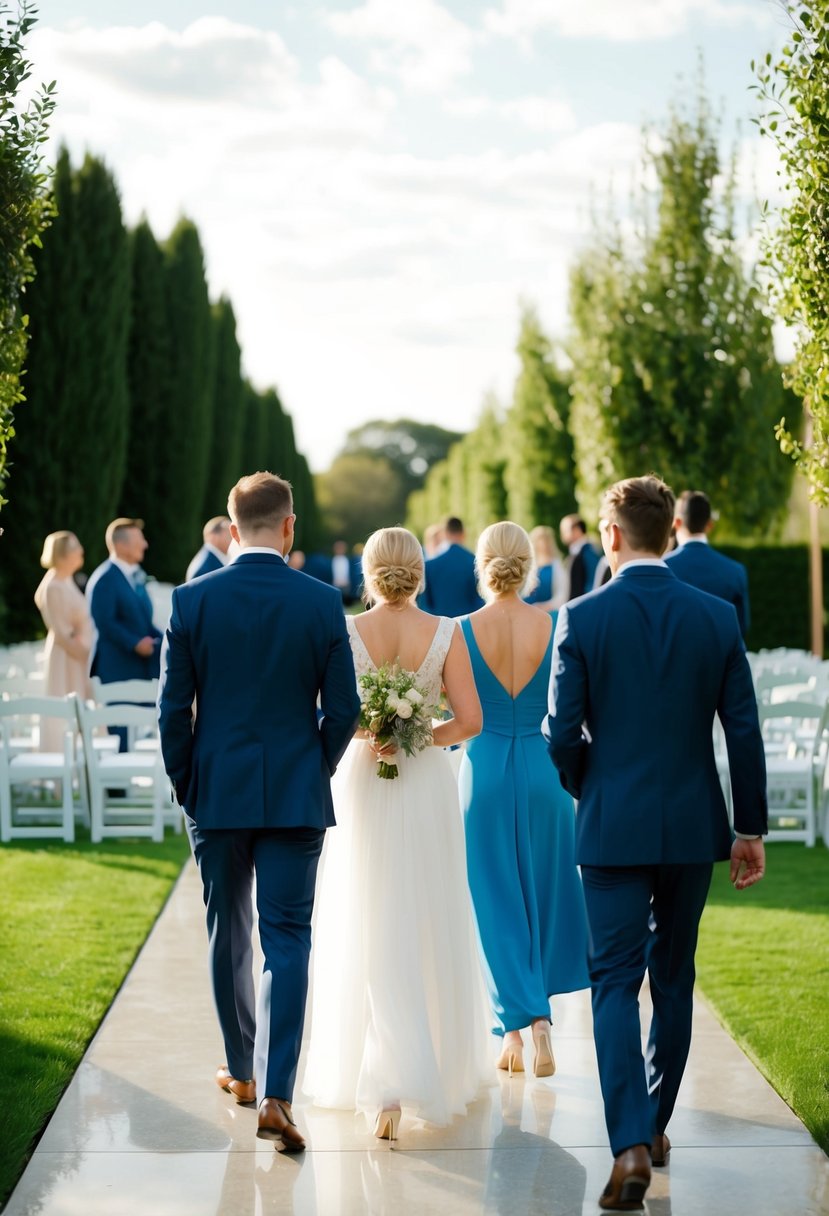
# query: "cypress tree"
184,448
539,472
148,366
70,443
229,405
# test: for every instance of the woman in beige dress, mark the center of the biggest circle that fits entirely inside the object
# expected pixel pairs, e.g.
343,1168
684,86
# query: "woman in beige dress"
66,616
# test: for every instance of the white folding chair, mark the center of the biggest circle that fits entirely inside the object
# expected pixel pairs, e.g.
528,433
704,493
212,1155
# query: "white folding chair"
131,692
140,774
29,767
795,736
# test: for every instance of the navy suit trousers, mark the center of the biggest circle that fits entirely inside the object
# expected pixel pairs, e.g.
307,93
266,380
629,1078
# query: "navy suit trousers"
263,1043
642,918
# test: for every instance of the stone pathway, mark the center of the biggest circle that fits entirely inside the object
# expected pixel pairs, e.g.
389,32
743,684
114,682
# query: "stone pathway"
143,1130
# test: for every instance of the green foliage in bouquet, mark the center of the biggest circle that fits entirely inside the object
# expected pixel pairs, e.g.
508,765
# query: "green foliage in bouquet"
394,710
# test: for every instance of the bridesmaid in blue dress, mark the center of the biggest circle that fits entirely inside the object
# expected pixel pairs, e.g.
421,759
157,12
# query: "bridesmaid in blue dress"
520,823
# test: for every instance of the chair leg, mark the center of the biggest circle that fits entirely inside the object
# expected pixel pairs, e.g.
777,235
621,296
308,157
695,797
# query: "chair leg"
5,807
68,809
97,813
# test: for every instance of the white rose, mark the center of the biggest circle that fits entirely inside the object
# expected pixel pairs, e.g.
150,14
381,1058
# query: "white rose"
414,697
404,710
392,704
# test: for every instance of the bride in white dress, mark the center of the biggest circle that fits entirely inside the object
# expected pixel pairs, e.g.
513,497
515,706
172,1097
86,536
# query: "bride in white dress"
399,1014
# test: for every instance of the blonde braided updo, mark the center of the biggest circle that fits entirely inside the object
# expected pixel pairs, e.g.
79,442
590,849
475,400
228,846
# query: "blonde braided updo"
392,565
504,560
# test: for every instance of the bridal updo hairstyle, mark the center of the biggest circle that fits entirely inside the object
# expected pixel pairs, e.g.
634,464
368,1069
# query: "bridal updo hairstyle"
392,565
504,560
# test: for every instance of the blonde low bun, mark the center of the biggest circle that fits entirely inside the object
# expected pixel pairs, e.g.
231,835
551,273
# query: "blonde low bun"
392,565
504,560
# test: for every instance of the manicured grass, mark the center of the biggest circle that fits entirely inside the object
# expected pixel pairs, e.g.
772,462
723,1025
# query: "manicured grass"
763,963
73,919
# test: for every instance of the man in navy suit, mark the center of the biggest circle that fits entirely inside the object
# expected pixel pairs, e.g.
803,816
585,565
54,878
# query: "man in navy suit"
127,643
582,558
695,562
253,646
639,670
213,553
451,585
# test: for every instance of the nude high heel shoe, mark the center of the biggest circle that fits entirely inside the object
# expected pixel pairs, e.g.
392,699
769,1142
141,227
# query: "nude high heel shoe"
511,1060
544,1064
388,1121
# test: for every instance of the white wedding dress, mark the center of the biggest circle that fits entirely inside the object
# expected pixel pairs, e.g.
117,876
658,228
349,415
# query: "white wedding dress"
399,1010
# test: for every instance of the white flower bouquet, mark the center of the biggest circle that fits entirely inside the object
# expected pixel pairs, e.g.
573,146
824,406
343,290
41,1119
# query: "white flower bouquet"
394,710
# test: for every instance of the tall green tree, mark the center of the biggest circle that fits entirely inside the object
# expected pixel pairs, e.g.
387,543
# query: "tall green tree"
144,491
673,361
183,449
25,205
540,471
228,410
69,449
795,91
487,495
354,495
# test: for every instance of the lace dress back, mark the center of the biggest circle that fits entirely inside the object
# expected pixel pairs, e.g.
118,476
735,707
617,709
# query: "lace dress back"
398,1009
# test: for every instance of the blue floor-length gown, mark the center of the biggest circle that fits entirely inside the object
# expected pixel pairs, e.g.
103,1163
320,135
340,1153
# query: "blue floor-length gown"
520,826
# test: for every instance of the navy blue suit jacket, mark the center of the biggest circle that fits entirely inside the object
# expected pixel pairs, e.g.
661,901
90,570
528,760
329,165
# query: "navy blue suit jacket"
582,570
122,616
451,586
205,562
698,564
255,644
645,662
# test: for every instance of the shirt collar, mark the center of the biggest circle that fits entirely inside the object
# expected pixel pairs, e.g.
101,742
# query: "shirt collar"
699,539
223,558
577,546
643,561
258,549
128,569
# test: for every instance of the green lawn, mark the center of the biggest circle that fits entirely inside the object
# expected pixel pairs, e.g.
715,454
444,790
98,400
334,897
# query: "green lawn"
73,919
763,963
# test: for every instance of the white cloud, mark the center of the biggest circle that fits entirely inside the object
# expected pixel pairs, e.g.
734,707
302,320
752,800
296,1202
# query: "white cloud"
616,20
535,113
419,42
367,279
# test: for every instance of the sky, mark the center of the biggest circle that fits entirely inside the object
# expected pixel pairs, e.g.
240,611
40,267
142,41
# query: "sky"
378,184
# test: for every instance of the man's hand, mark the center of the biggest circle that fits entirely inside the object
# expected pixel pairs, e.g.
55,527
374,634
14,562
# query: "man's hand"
145,647
748,862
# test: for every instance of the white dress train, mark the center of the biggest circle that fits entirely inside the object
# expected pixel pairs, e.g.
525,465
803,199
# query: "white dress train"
399,1010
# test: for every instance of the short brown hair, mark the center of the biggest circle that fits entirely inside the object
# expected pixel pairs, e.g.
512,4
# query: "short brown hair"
115,531
260,500
694,509
643,507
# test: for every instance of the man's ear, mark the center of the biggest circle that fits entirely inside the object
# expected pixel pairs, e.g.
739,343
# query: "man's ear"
234,532
615,538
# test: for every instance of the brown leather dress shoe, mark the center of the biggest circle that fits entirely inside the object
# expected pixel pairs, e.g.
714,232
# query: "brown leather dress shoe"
243,1091
660,1150
628,1182
277,1123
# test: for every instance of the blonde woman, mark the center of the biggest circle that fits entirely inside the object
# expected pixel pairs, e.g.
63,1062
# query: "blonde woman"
66,616
399,1007
553,582
520,823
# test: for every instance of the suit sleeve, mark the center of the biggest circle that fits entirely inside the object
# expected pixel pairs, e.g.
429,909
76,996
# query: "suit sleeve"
104,609
737,710
424,600
567,707
339,701
176,694
743,609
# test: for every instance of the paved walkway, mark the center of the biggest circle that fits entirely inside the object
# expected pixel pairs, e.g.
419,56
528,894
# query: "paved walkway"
143,1131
